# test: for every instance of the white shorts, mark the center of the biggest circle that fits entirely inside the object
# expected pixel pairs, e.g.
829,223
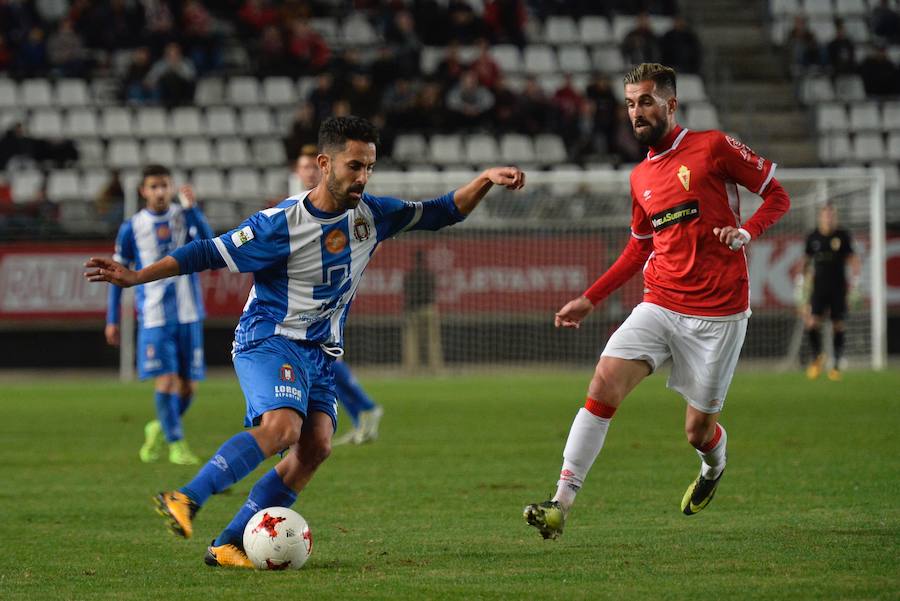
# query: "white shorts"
704,352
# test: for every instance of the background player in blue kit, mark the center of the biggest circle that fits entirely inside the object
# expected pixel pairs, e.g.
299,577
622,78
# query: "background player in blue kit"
169,312
307,255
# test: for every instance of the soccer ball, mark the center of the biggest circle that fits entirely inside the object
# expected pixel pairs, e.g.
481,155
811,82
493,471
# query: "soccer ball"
277,538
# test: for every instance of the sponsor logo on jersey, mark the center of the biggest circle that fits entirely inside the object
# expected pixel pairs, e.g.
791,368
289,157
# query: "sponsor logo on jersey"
287,373
684,176
686,211
335,241
289,392
647,194
361,229
242,236
745,151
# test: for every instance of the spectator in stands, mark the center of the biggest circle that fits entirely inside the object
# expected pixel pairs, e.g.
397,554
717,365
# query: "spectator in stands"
880,76
506,21
841,51
134,88
118,21
159,24
463,25
15,143
451,67
322,97
534,108
641,44
110,201
271,55
31,55
307,49
681,47
431,18
5,54
404,41
363,101
802,47
304,130
66,52
585,138
173,77
599,91
885,22
469,102
567,103
202,42
430,113
505,116
383,70
255,16
399,104
485,67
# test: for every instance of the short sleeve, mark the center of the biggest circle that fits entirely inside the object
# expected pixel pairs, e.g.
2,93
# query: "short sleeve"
258,243
125,248
735,161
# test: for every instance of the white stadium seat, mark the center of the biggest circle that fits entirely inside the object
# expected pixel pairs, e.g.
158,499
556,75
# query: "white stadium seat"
151,121
186,121
702,116
595,30
64,185
574,59
831,117
268,152
35,92
80,123
25,184
890,115
816,8
446,149
893,146
849,88
279,91
232,152
549,148
208,184
560,30
46,123
72,92
411,148
868,147
608,59
256,121
243,91
160,151
865,116
690,88
220,121
356,29
517,149
846,8
481,149
817,88
115,121
195,152
508,58
244,184
210,91
835,148
9,94
123,153
540,60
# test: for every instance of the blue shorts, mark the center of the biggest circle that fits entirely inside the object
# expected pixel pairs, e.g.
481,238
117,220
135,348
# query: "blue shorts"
171,349
280,372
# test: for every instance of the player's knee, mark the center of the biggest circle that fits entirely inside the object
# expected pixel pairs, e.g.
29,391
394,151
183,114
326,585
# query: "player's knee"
605,389
281,429
696,437
317,450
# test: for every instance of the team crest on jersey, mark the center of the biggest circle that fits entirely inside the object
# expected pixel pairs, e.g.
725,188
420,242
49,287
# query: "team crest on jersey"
684,176
361,229
335,241
835,244
150,352
287,373
686,211
163,233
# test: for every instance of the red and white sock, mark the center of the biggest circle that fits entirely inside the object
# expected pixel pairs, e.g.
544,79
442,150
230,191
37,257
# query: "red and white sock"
712,454
586,437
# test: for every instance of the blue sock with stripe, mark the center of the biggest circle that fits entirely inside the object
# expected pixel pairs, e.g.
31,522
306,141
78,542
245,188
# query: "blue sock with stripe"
269,491
239,456
169,416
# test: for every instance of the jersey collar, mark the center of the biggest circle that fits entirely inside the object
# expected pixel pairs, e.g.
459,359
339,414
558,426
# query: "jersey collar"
668,143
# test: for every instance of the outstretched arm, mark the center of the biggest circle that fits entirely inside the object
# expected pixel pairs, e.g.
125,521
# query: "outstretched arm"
107,270
468,197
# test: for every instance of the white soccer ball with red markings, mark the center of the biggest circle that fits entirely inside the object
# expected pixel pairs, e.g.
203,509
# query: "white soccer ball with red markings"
277,538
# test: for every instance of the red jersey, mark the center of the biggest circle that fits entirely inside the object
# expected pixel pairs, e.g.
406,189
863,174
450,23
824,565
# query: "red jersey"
678,196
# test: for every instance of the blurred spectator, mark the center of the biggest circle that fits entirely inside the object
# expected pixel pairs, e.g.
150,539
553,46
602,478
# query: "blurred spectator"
31,56
880,76
15,143
5,54
841,51
506,20
363,101
307,50
430,17
271,55
430,112
119,21
599,91
304,131
383,70
801,46
322,97
451,67
624,142
640,45
134,88
66,51
681,48
505,117
584,133
885,22
567,103
172,77
401,36
534,108
110,201
399,103
463,25
469,102
255,16
159,24
485,67
200,39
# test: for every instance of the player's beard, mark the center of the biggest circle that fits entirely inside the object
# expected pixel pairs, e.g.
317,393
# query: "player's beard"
651,135
344,199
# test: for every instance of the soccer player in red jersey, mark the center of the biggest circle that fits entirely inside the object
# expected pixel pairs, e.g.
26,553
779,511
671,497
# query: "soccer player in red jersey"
687,235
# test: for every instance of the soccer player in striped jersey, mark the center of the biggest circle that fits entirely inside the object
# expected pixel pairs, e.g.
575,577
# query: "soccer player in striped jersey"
687,236
307,256
170,312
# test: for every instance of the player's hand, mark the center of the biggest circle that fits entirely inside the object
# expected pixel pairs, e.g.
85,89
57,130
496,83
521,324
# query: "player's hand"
186,196
511,177
112,333
573,313
107,270
731,237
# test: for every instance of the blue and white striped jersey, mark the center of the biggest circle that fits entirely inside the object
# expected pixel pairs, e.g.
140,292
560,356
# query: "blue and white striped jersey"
308,264
146,238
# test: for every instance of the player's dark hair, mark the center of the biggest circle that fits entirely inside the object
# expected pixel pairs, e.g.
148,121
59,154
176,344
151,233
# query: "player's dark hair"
663,76
336,131
154,170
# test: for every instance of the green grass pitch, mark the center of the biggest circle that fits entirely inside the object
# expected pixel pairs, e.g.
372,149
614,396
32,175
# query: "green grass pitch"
808,509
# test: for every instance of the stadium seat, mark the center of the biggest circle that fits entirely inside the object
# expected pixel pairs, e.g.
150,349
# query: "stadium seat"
35,93
818,8
540,60
151,121
305,85
593,29
563,180
784,7
327,27
9,94
481,149
608,59
65,185
846,8
161,151
857,30
244,184
221,214
549,149
868,146
72,92
256,121
865,116
424,183
123,153
90,152
690,88
508,58
574,59
823,27
268,152
702,116
46,123
890,115
210,91
277,91
388,183
451,179
208,184
849,88
195,152
356,29
115,121
275,182
560,29
891,174
835,148
411,148
430,58
446,149
186,121
893,146
831,117
93,182
220,121
517,149
551,82
231,152
817,88
25,184
243,91
621,26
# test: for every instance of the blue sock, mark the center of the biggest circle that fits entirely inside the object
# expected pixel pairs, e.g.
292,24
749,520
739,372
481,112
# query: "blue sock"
269,491
350,393
167,412
184,402
239,456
